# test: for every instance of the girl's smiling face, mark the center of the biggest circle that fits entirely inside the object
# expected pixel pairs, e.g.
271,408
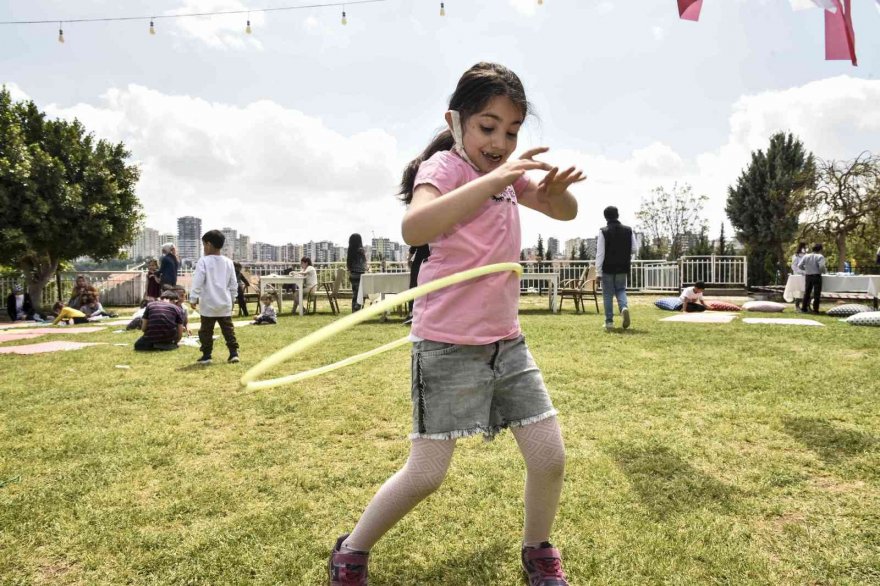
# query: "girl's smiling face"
490,136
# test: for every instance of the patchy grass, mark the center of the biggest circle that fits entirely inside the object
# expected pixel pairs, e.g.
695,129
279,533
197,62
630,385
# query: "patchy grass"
697,454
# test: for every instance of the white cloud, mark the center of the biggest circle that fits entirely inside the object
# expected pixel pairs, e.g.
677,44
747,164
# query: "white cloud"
16,92
526,7
659,33
281,175
225,31
274,173
604,7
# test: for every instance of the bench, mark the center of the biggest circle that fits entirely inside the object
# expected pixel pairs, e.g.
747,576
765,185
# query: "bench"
835,296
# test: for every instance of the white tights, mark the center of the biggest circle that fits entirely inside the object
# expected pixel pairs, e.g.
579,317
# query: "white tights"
544,453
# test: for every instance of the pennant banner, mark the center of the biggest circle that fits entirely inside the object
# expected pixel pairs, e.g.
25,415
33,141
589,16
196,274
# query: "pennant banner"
690,9
840,41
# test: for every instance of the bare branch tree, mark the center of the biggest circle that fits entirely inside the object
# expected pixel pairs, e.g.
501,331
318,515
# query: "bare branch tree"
667,217
847,193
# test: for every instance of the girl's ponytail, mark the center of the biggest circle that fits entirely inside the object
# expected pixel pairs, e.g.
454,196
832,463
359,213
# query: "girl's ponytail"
442,142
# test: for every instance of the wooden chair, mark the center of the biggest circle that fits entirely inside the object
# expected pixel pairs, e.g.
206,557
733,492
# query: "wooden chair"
580,289
331,288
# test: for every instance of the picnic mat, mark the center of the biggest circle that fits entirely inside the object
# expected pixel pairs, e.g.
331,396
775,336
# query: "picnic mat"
702,318
45,347
782,321
17,336
65,330
20,324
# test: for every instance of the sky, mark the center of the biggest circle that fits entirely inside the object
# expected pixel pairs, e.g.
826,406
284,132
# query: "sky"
300,130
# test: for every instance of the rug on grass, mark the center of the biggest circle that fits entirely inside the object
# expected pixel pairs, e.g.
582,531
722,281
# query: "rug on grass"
65,330
782,321
20,324
8,336
702,318
45,347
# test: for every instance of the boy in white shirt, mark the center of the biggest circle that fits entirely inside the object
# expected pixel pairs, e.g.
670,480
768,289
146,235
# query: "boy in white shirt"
215,287
692,298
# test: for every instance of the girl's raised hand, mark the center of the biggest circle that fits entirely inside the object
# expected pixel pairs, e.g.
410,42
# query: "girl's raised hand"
513,169
555,183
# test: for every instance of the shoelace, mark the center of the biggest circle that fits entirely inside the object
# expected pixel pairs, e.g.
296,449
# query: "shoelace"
550,567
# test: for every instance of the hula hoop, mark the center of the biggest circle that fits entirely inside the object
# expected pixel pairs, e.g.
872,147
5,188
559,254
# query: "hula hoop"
249,382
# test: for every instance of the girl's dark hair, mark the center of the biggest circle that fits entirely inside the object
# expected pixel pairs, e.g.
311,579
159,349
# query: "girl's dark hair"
802,247
477,86
306,260
355,249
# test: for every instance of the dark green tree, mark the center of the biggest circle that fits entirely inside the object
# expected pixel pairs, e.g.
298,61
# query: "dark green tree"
722,243
540,248
573,255
63,194
701,246
582,251
765,204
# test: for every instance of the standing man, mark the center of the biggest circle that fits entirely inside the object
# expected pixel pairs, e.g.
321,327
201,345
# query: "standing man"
169,266
615,246
813,265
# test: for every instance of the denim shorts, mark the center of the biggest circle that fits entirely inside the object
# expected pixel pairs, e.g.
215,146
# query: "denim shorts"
458,390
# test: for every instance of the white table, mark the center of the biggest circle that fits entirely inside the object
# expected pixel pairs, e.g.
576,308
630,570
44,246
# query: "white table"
551,278
297,280
870,284
381,283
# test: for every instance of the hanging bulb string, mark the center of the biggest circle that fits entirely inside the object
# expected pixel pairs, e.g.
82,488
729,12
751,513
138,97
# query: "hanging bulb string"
190,14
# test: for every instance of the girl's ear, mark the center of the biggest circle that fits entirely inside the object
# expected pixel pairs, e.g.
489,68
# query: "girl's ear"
448,117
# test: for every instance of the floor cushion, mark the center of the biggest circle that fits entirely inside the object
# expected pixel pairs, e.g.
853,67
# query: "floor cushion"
766,306
865,318
669,303
847,310
722,306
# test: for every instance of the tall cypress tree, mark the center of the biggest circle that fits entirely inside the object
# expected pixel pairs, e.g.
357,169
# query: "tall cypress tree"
765,203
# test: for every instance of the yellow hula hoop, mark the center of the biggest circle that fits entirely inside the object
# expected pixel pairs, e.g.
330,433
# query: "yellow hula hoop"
249,382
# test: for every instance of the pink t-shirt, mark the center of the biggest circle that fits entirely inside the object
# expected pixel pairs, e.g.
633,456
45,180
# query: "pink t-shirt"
483,310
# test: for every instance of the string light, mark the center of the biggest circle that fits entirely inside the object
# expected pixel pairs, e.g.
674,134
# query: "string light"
60,33
442,9
152,28
344,20
248,28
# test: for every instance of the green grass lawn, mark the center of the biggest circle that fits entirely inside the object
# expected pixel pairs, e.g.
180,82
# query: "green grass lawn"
697,454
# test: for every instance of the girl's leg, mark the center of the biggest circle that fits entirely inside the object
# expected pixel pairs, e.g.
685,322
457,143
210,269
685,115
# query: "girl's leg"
422,474
542,448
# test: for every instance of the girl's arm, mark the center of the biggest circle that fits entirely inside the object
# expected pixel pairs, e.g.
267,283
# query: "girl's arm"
550,196
430,215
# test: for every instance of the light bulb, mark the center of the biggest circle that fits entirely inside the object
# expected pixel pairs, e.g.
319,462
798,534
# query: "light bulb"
60,34
442,9
248,28
152,28
344,20
540,2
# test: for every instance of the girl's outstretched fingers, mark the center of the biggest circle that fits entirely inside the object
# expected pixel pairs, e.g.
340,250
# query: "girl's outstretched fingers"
532,152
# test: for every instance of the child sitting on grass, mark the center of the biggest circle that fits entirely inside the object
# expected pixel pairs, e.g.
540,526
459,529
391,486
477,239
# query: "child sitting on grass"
66,314
267,312
692,298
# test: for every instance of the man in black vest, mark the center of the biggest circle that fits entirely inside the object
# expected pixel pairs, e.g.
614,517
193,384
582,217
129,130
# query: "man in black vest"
615,246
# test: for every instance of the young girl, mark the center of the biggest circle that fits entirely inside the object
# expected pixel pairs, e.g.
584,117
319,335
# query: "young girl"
154,280
308,271
267,312
471,369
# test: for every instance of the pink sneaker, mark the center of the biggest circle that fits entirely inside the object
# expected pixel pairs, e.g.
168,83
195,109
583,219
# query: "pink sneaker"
543,566
347,569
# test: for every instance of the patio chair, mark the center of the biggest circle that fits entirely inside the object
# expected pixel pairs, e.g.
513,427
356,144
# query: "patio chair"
584,287
331,288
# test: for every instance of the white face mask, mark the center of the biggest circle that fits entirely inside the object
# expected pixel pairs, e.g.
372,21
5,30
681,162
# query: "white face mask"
458,146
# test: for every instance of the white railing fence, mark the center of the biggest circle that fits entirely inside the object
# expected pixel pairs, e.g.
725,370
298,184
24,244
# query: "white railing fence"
126,288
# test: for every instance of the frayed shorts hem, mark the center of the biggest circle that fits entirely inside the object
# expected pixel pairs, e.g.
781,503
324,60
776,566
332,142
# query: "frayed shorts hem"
489,433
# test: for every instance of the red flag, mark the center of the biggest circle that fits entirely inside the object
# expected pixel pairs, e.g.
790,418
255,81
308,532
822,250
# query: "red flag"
840,40
689,9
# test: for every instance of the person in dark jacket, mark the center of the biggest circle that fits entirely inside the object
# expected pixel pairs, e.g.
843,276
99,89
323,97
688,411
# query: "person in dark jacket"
615,246
19,305
169,266
356,262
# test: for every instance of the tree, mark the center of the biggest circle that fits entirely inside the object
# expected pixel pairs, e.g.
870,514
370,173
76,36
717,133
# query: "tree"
666,218
765,203
846,195
549,255
63,194
701,246
540,249
573,255
722,243
582,251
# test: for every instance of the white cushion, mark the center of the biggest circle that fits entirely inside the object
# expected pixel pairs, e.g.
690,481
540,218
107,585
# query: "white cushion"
767,306
865,318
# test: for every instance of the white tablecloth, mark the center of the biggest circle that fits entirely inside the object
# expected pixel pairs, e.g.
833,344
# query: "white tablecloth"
870,284
551,278
381,283
297,280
